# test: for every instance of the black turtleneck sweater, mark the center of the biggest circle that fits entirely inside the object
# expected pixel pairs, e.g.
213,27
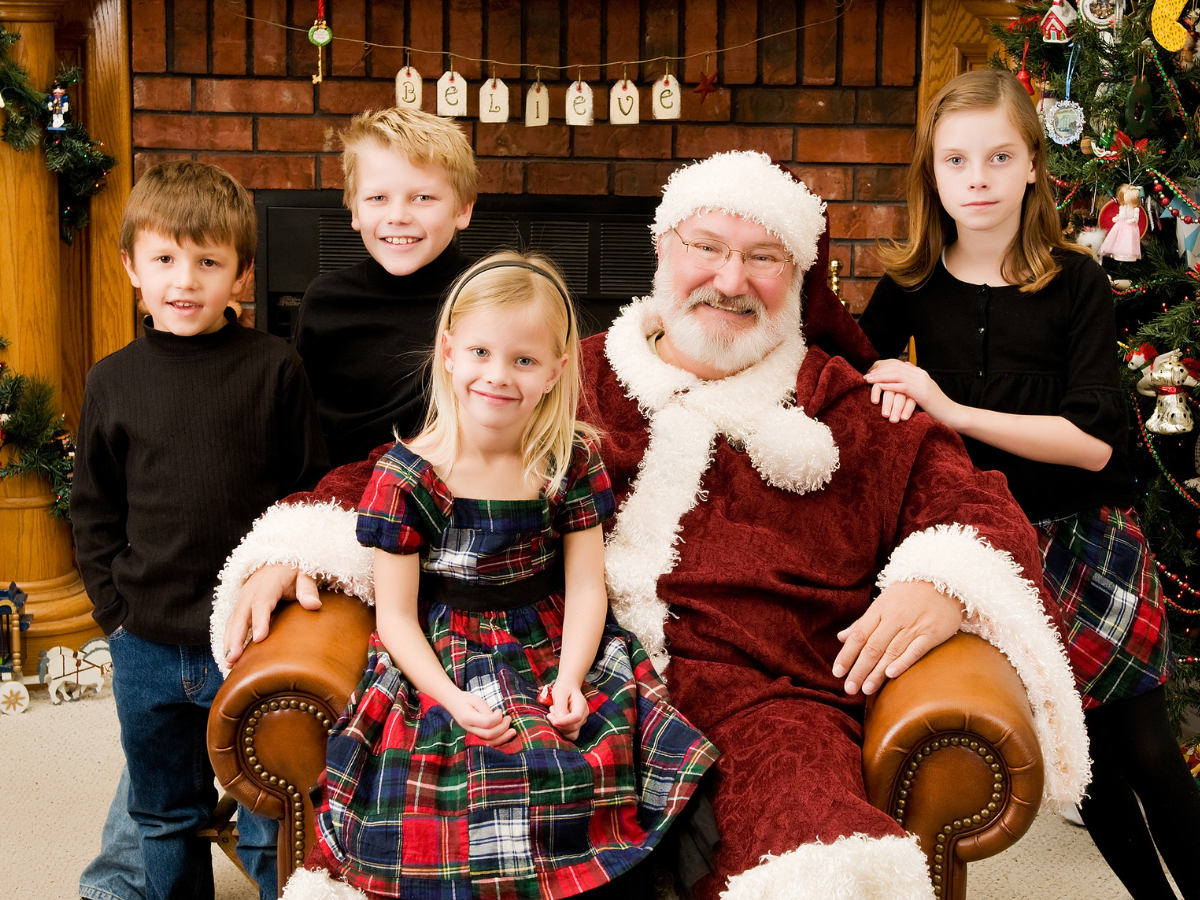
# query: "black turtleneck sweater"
183,442
365,336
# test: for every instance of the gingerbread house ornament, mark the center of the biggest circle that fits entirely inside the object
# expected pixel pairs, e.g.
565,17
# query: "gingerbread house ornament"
1057,22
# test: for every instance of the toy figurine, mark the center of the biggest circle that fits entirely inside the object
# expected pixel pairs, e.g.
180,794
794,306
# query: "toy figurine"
1171,413
59,105
1124,240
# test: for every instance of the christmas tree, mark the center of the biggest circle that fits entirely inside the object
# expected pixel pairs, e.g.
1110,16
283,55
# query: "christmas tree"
1120,94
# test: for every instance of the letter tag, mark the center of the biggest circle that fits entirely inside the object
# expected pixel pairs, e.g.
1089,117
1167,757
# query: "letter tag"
537,105
665,99
623,103
493,101
579,104
408,88
451,94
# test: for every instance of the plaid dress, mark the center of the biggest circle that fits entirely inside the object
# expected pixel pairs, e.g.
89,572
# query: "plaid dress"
413,806
1098,568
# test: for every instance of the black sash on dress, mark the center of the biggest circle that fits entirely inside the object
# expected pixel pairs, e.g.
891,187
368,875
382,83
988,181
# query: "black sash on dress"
475,596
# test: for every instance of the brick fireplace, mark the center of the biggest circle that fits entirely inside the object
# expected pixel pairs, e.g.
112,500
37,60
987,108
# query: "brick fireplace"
835,100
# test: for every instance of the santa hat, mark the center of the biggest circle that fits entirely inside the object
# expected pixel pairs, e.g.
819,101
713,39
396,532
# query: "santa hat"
746,184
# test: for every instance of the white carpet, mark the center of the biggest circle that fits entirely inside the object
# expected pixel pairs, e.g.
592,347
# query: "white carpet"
62,764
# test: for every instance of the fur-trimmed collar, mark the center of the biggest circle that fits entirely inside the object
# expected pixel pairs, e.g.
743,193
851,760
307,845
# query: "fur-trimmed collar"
753,409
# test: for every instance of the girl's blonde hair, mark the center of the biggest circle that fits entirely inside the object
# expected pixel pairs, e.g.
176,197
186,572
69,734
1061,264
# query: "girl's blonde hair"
1029,262
550,434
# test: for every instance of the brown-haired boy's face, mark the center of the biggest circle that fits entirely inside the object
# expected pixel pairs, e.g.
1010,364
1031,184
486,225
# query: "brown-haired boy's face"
407,214
185,287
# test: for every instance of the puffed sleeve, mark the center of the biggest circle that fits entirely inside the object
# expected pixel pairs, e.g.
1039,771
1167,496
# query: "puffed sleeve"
1093,401
586,497
886,320
396,504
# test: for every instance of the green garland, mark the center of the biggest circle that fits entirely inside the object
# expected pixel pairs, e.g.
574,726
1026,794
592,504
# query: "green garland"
70,154
31,424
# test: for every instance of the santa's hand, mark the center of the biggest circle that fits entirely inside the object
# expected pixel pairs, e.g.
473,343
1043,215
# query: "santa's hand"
568,710
915,386
906,621
475,716
257,600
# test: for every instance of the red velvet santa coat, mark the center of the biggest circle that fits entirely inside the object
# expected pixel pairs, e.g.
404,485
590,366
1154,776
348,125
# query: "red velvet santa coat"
764,551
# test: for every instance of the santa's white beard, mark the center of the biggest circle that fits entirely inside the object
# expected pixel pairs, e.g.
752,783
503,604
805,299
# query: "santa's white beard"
728,346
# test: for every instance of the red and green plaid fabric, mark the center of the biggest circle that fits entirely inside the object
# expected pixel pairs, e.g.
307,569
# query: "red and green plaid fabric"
406,508
413,806
1098,567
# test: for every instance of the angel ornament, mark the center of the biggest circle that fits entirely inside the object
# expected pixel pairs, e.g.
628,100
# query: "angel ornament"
1171,412
1124,240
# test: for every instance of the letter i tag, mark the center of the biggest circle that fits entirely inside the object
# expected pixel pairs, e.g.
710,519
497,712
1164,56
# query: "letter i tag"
537,105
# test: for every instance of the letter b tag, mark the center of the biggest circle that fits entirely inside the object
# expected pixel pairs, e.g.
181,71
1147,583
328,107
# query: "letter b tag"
408,88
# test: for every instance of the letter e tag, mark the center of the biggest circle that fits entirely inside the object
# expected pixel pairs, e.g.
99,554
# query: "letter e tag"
451,94
623,103
579,104
537,105
408,88
493,101
665,99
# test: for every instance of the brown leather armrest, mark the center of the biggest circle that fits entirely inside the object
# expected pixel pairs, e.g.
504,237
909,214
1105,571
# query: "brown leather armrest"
267,727
950,751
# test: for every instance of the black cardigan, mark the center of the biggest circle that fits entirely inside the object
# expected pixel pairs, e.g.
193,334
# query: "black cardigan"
1049,353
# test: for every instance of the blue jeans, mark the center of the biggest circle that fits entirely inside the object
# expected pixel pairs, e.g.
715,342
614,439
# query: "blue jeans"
163,693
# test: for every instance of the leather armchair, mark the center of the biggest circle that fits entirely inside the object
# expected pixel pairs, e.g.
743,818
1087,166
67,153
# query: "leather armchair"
949,747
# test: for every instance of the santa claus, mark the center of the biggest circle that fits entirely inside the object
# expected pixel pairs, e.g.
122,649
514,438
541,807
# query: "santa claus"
779,548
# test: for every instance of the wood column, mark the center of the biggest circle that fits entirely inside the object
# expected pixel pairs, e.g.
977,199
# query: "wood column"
35,550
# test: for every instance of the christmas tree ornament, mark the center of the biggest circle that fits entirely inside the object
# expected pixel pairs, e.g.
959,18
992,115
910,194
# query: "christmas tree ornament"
493,99
537,103
664,98
1057,22
320,36
579,103
1139,108
623,103
451,93
1102,14
409,86
1064,119
1023,76
1164,24
1126,225
1171,412
59,105
1141,360
707,82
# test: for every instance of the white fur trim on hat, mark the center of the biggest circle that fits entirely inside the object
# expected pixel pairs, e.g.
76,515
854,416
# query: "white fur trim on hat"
850,868
1005,609
319,539
790,450
305,884
747,184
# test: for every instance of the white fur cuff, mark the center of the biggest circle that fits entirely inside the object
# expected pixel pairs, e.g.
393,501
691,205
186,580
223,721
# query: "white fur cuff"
308,885
316,538
851,868
1005,610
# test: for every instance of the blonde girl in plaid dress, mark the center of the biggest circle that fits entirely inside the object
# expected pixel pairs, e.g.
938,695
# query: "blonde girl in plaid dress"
1016,339
508,739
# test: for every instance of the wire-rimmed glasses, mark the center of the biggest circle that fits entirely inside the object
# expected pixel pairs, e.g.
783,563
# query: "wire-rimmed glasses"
708,253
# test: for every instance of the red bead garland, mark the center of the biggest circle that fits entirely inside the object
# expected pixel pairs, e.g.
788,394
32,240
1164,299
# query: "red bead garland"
1164,200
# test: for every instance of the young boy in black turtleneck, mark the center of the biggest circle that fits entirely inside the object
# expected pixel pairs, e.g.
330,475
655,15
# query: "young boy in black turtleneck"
365,332
186,436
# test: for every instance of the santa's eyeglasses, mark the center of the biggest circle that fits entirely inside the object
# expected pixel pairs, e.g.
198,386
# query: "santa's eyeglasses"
706,253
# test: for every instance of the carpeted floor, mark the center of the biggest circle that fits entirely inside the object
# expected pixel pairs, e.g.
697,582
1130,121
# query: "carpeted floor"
62,764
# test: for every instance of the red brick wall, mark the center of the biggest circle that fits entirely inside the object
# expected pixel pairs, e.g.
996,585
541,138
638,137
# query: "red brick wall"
837,99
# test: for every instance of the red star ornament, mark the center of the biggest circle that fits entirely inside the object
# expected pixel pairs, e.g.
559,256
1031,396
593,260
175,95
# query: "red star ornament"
708,84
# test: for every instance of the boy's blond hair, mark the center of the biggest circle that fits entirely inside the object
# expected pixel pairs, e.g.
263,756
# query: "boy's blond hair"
195,203
421,138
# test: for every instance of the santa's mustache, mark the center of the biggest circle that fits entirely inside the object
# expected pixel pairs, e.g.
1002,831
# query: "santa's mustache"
712,297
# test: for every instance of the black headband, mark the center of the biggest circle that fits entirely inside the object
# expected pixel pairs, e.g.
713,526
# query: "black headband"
517,264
